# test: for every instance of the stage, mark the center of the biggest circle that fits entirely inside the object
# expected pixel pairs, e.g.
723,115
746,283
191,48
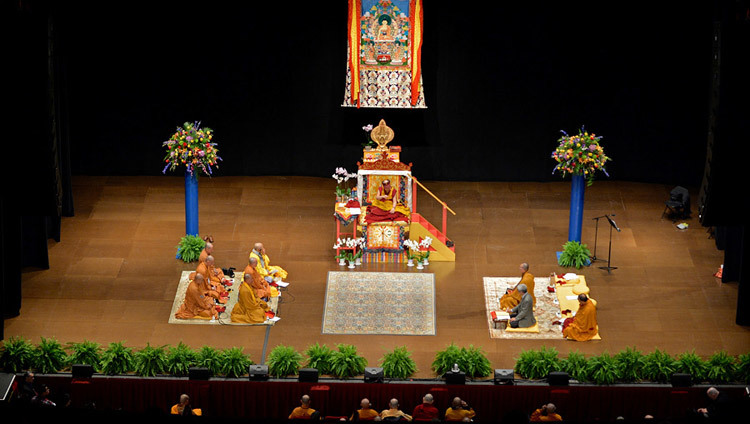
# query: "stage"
113,275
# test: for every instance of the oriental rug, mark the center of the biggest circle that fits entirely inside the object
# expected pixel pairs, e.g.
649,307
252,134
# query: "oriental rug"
547,308
401,303
224,317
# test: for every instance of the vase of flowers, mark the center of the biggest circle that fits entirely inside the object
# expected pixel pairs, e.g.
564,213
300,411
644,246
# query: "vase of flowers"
343,191
342,261
580,156
352,250
417,250
191,146
420,265
410,262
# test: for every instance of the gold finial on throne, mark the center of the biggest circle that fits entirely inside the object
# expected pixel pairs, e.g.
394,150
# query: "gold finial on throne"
382,135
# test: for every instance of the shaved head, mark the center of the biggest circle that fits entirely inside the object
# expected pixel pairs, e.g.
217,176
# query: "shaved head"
305,399
254,261
456,402
209,247
198,277
209,259
394,403
248,277
258,246
365,403
428,398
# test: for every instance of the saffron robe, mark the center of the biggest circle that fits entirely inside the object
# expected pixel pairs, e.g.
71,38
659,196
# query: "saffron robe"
249,309
208,274
301,412
395,413
512,299
537,416
197,303
261,287
583,327
459,414
264,267
368,414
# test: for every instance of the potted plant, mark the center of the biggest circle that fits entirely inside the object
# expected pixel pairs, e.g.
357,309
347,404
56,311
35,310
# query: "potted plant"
475,362
690,363
209,357
743,368
284,361
534,365
117,359
658,366
150,361
346,363
603,369
17,354
574,254
179,359
576,365
343,192
190,248
234,362
630,361
398,363
352,250
85,352
49,356
319,357
720,368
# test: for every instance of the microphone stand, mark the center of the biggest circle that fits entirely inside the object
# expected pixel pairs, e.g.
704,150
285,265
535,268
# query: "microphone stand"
609,266
596,237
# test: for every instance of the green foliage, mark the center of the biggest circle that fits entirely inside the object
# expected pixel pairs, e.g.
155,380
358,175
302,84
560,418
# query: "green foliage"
533,364
150,361
475,363
398,363
692,364
721,368
319,357
574,254
49,356
284,361
658,366
16,355
234,362
190,247
743,368
444,359
603,369
346,363
630,363
179,359
85,352
210,358
117,359
576,366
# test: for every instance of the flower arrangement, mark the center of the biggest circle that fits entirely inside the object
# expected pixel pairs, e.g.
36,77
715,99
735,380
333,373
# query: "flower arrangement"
341,175
418,250
191,145
368,141
350,244
580,154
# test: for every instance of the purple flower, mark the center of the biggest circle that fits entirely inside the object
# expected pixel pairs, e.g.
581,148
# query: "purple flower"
164,171
592,147
189,138
201,153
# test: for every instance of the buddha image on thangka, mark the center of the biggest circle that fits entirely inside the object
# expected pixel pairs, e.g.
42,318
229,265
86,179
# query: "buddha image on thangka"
385,33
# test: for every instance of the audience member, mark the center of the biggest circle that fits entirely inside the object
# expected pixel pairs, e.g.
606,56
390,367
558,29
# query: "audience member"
545,413
393,413
426,411
42,399
459,411
183,408
365,412
304,411
27,391
718,409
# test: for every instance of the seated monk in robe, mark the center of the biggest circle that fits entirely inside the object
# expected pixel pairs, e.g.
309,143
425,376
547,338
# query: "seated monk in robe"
249,309
385,207
264,268
582,327
197,304
263,290
512,297
213,276
207,250
365,413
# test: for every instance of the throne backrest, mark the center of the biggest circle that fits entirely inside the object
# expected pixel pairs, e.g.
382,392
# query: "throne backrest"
368,185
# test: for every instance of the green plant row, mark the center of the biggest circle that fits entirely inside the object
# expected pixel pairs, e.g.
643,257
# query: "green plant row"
631,365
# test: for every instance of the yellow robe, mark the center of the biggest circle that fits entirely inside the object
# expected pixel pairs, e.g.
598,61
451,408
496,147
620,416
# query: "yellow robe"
537,416
266,270
249,309
459,414
584,325
387,204
512,299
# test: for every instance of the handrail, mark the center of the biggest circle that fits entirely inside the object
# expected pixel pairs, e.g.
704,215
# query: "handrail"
431,194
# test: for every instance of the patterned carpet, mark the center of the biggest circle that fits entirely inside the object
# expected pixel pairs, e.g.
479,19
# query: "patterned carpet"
224,318
547,311
400,303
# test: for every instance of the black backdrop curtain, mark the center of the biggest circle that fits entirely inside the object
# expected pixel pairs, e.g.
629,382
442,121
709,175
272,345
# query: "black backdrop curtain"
501,80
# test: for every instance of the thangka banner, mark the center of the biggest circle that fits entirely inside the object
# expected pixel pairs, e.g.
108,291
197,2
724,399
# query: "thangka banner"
384,51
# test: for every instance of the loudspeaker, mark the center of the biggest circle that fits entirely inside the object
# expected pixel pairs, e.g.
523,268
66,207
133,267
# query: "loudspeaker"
199,373
558,378
82,371
6,382
373,375
504,377
258,372
455,377
308,375
681,380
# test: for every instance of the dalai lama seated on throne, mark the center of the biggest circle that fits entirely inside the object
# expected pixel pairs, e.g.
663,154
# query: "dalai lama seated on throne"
385,206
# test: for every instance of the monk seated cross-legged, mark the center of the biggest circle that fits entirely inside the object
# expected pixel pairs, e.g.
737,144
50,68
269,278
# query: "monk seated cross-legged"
197,303
265,269
512,297
214,276
582,327
385,206
249,309
263,290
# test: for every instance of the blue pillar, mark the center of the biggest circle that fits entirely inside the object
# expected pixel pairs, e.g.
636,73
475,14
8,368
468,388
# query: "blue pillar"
577,188
191,203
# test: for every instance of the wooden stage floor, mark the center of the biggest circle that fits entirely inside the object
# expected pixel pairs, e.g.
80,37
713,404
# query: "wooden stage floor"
114,273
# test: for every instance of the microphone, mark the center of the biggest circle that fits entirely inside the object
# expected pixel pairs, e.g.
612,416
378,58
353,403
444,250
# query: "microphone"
612,222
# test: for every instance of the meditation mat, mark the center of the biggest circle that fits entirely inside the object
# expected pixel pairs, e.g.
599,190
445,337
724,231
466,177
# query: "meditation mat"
547,311
224,317
400,303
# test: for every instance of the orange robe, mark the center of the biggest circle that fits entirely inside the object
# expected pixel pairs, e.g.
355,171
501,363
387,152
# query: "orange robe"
584,325
512,299
459,414
249,309
301,412
203,256
537,416
259,284
197,304
208,274
368,414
